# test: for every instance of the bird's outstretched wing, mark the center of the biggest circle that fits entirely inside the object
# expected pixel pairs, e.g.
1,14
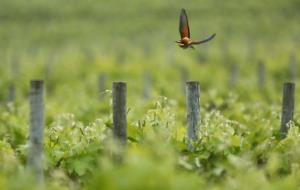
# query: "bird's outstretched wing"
203,41
184,29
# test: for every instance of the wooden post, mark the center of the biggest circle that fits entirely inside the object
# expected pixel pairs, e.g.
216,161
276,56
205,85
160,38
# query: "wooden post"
261,75
193,112
15,64
11,95
88,55
287,107
147,86
101,85
202,56
36,131
49,62
119,112
48,70
121,58
233,75
251,53
184,77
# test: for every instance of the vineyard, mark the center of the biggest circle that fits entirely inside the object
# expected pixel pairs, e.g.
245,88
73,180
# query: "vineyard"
61,63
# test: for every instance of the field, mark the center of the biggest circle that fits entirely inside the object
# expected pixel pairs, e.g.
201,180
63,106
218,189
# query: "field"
80,47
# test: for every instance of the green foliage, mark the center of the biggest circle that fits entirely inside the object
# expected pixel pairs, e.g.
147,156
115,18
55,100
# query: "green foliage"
72,146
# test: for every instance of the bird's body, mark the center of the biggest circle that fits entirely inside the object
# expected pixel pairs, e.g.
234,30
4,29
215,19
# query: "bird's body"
184,30
185,42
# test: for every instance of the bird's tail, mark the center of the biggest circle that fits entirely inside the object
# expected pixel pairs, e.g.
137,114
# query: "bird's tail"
203,41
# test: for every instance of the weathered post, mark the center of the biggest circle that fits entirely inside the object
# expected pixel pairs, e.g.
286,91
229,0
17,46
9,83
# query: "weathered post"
184,77
49,62
233,75
89,55
15,63
11,94
251,50
193,112
147,87
36,131
119,112
287,107
261,75
49,65
101,85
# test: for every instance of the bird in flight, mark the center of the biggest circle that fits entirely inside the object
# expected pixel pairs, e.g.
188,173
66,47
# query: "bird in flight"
184,30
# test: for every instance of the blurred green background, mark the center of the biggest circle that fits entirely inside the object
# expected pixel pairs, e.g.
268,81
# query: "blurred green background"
111,24
83,39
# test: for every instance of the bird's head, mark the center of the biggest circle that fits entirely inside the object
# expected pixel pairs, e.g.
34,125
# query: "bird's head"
185,40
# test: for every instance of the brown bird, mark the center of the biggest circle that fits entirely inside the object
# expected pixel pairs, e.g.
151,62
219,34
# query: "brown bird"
184,31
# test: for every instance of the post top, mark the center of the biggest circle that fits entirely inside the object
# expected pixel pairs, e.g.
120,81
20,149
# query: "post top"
119,83
289,84
36,84
192,82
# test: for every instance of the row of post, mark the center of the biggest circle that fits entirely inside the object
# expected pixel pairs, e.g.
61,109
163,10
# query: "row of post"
147,80
119,91
261,73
